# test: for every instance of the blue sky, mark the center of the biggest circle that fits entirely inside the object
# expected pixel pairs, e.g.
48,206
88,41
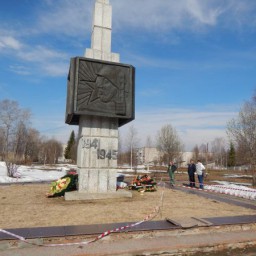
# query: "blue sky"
195,60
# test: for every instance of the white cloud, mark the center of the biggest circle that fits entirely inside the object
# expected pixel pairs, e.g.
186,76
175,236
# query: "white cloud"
164,15
220,59
56,68
74,18
21,70
183,14
49,61
9,42
202,13
193,137
193,126
40,54
71,18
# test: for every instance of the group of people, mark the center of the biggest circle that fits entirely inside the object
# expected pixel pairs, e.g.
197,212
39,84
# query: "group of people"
193,169
198,169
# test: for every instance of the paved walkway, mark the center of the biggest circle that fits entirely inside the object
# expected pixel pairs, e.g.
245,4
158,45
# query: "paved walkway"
159,243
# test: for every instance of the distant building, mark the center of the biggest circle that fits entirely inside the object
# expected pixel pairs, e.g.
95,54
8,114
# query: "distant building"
186,157
151,155
148,155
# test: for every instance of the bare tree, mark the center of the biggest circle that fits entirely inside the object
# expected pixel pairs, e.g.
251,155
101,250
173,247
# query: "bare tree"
219,152
2,143
196,152
169,143
203,152
21,135
132,144
121,151
32,147
242,131
8,117
19,142
50,151
13,121
147,151
149,142
151,154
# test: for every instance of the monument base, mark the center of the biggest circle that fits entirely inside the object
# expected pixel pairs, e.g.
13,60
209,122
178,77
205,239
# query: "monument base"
75,195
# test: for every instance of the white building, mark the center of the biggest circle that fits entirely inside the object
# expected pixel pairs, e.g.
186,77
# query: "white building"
148,155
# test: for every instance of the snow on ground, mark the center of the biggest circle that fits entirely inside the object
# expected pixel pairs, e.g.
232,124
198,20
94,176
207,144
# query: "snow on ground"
45,173
33,174
3,169
233,190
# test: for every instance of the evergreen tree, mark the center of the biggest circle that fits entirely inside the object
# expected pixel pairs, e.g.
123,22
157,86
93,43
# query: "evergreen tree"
70,146
231,155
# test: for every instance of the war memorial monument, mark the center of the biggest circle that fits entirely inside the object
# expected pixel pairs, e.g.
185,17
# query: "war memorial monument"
100,99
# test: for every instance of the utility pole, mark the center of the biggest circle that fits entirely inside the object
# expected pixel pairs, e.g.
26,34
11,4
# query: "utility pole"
131,153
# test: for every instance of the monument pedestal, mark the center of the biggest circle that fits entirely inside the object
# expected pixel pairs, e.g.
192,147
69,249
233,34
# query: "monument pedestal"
97,159
76,195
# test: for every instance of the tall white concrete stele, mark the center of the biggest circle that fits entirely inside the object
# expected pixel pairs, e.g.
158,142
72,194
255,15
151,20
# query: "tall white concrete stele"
101,33
97,171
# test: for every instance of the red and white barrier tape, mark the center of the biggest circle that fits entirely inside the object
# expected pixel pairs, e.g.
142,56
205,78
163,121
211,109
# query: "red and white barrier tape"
231,188
221,186
11,234
104,234
228,190
216,191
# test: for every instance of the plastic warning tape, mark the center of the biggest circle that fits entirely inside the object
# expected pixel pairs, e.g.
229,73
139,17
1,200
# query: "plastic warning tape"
222,186
231,188
11,234
223,190
104,234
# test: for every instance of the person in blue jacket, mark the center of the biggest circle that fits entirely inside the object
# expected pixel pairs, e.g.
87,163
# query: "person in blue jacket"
191,173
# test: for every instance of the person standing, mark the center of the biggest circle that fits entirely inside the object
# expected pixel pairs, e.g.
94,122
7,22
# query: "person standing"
191,173
199,171
171,170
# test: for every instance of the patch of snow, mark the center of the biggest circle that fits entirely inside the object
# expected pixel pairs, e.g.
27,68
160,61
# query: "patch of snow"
232,183
3,169
237,176
233,190
46,173
32,174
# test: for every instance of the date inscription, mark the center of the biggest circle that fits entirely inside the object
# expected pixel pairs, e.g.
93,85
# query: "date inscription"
101,152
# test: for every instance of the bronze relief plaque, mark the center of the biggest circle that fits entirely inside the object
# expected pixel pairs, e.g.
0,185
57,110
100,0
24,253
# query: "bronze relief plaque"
100,88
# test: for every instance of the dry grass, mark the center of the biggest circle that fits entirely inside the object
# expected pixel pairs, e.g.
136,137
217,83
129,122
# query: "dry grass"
27,206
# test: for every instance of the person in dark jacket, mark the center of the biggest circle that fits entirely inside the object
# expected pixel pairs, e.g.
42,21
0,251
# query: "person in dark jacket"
171,169
191,173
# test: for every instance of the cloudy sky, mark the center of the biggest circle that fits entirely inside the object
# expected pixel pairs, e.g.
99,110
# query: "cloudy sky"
195,60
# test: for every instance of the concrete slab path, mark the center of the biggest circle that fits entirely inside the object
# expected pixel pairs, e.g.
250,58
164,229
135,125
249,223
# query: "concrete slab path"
159,243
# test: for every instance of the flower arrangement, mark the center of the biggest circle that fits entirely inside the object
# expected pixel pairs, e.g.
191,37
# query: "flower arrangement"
59,185
145,183
64,184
